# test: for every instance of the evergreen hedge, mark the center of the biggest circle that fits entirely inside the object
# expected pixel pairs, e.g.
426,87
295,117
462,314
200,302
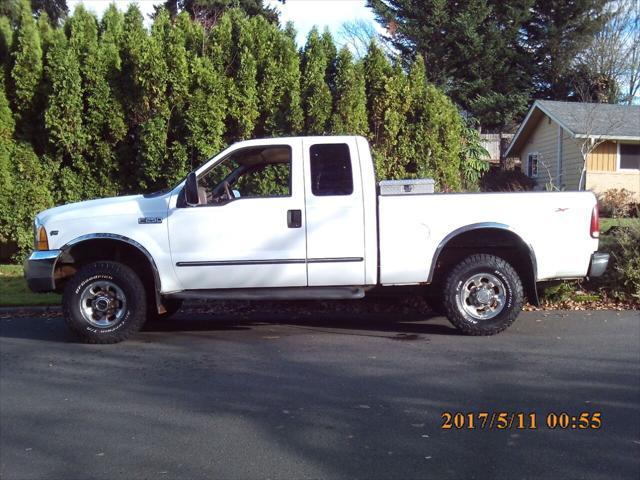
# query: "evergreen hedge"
97,107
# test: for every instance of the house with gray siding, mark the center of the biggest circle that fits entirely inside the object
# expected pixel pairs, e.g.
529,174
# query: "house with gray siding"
558,140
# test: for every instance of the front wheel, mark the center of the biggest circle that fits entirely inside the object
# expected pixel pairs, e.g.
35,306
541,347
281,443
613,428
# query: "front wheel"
104,302
483,295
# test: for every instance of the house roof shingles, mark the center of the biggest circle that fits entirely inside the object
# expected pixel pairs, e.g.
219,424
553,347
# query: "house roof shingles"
595,119
615,122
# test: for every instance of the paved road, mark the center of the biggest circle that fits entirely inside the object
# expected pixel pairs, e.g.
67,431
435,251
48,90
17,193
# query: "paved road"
261,395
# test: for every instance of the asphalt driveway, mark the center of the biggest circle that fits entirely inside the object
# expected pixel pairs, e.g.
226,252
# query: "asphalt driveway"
327,395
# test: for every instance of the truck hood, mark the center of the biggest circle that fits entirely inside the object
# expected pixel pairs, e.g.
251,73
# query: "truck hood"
130,205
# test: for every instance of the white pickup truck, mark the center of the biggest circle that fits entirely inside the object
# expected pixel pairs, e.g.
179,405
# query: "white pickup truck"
303,218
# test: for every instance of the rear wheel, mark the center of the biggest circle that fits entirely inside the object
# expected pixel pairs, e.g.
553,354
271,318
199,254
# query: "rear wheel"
104,302
482,295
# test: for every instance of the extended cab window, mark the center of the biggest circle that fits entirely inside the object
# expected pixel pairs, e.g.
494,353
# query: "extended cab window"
331,169
255,172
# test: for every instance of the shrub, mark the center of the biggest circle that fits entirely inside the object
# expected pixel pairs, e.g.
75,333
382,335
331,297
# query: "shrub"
616,203
496,180
558,293
623,274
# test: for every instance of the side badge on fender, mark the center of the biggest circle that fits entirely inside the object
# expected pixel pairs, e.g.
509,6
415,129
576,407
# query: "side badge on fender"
147,220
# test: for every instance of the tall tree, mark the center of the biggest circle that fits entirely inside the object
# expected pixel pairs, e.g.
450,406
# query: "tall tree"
491,56
350,114
243,69
206,110
316,96
431,137
103,118
471,49
557,31
7,126
173,40
6,39
63,118
279,77
26,73
377,70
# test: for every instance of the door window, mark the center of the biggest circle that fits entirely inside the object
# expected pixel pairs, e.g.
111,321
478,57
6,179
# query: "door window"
259,172
331,169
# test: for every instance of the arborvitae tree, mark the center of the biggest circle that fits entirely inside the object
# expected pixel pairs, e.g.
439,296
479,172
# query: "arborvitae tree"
433,132
7,126
111,32
331,53
63,118
26,73
129,87
46,33
278,79
350,114
376,73
173,45
206,111
6,38
243,98
196,38
392,142
153,109
316,95
288,116
103,117
220,39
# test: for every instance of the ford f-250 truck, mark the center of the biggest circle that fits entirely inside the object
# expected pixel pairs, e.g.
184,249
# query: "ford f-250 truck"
303,218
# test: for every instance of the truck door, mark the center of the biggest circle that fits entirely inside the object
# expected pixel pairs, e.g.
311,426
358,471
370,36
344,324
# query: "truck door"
248,230
334,212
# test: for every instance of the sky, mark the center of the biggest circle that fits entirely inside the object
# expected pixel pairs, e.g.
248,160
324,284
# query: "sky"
303,13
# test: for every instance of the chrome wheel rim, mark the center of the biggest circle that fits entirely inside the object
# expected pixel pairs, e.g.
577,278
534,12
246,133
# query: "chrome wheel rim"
103,304
483,296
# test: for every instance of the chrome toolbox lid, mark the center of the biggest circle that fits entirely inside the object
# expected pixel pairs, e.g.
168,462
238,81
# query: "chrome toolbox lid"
407,187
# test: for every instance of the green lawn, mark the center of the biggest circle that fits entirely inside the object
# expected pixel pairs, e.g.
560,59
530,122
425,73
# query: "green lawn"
14,290
607,223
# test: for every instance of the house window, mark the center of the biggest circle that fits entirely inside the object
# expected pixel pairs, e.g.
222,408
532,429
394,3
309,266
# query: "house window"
629,156
532,165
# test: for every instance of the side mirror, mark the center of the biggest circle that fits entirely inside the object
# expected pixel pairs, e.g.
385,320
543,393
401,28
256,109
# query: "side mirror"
191,190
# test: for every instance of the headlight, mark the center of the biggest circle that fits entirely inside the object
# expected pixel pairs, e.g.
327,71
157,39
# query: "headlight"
41,239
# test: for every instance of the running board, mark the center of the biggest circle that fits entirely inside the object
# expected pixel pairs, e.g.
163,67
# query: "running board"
285,293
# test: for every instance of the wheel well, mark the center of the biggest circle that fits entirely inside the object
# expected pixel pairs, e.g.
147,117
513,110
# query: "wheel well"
94,250
494,241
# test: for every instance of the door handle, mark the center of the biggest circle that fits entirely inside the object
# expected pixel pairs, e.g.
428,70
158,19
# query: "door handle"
294,218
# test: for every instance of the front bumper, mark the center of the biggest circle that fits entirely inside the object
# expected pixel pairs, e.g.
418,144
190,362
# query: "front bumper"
39,270
598,265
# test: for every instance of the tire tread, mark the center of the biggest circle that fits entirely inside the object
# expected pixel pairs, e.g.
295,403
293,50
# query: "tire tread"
137,316
449,300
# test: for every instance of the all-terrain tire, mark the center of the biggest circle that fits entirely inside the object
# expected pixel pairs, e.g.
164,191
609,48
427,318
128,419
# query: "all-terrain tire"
96,282
506,283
